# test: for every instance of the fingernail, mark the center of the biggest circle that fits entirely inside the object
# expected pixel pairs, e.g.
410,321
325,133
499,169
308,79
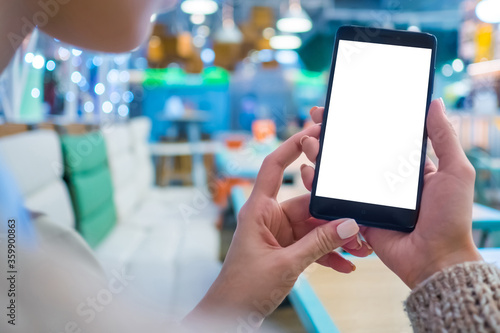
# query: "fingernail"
360,245
302,167
368,246
443,107
347,229
354,245
303,138
353,266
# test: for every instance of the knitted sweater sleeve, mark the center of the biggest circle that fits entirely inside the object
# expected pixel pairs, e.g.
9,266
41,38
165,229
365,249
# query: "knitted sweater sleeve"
461,298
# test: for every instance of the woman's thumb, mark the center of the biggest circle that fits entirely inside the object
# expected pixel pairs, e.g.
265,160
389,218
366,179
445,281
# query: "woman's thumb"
323,240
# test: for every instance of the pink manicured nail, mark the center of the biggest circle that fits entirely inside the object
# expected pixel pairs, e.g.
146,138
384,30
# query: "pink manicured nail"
303,138
347,229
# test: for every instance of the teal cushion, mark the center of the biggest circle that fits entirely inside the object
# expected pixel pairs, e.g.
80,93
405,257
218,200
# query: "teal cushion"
89,181
94,228
91,190
83,152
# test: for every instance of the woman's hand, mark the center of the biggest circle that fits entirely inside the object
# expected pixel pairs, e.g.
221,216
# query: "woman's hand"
273,244
443,234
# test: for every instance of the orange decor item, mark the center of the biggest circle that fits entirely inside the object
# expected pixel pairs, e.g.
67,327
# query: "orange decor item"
221,195
235,142
263,130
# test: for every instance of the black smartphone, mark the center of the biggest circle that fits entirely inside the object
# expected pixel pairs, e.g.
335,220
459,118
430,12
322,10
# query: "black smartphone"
373,138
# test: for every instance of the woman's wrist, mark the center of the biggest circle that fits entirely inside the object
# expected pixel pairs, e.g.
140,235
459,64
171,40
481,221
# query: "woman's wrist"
442,262
210,315
219,310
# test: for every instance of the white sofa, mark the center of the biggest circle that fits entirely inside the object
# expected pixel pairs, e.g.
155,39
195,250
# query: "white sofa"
173,260
35,161
185,243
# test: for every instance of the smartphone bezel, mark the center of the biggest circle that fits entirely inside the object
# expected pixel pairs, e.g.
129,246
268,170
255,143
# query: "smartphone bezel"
386,217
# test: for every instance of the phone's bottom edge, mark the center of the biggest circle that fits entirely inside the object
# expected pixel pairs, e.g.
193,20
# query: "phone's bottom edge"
365,223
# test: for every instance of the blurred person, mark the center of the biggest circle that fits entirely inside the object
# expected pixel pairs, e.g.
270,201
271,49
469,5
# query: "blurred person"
60,286
453,290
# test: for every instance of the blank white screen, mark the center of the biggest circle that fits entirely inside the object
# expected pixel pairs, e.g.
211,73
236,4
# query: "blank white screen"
373,139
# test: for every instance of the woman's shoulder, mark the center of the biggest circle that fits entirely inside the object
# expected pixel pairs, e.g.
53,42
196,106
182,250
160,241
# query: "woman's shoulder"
65,242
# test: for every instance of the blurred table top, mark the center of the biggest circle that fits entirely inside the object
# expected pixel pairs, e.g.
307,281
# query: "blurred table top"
187,117
485,218
367,300
246,161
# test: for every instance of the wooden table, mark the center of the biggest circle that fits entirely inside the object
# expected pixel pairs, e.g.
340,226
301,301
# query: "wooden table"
192,121
367,300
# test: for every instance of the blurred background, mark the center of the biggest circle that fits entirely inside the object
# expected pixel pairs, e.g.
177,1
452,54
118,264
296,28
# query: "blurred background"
154,151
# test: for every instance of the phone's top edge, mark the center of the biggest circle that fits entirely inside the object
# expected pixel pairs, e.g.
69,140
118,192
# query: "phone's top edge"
348,26
373,33
353,27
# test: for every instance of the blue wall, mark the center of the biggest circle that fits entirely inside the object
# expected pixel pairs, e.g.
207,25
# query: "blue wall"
210,98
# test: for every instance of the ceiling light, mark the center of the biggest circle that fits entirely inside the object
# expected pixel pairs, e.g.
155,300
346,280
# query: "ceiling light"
268,33
51,65
123,110
295,20
447,70
207,56
35,93
203,7
197,18
107,107
229,32
38,62
287,57
230,35
29,57
64,54
488,11
76,77
458,65
99,89
285,42
88,107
